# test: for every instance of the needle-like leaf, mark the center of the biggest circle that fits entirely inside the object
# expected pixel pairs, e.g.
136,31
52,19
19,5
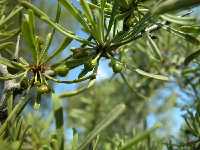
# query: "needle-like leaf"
56,52
179,20
159,77
154,47
138,138
75,13
78,91
108,119
28,32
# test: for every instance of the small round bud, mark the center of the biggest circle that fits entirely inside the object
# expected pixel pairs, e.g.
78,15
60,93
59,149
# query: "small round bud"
61,70
117,67
43,89
91,64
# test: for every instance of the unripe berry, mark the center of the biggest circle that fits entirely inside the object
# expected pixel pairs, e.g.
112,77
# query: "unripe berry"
61,70
91,64
43,89
117,67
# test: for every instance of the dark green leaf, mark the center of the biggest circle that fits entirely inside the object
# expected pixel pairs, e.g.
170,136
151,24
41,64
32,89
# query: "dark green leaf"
191,57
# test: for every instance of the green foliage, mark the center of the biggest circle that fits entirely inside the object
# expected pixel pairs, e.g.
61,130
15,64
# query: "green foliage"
147,49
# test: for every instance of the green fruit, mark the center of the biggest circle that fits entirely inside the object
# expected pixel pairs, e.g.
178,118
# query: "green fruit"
61,70
117,67
43,89
90,65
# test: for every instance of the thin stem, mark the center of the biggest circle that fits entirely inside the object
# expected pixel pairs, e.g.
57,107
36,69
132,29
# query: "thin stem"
78,91
70,81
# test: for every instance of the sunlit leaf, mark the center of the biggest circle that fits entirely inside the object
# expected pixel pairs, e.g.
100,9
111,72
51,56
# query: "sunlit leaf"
187,37
190,29
179,20
154,47
159,77
28,31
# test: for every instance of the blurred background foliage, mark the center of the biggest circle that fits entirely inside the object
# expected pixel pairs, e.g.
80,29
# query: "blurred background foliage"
63,124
